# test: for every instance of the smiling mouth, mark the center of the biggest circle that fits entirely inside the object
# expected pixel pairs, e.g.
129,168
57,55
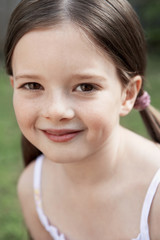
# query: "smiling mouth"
63,135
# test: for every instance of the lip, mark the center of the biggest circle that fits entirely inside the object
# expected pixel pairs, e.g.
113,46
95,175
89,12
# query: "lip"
61,135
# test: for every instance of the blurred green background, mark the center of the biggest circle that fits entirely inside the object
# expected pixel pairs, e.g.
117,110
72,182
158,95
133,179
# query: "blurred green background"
11,222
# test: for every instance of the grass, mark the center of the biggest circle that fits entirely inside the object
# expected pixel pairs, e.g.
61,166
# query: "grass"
11,222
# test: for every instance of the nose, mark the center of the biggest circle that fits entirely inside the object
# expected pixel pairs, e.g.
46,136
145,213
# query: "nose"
58,107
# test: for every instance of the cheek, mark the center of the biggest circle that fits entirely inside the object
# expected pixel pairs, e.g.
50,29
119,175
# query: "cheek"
101,120
100,127
24,112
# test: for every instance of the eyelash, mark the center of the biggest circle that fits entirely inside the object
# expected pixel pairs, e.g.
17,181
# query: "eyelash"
35,86
85,87
92,87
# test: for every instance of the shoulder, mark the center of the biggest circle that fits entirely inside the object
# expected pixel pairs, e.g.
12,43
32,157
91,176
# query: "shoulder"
25,190
145,151
143,157
146,155
25,194
154,217
25,181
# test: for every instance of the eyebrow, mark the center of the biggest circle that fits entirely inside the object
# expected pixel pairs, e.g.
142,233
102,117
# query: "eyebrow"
27,76
74,76
88,76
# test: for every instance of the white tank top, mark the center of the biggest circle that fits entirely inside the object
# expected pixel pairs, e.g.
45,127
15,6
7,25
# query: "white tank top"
53,231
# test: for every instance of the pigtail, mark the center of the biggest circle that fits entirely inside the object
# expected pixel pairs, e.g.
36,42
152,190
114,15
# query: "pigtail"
29,151
151,118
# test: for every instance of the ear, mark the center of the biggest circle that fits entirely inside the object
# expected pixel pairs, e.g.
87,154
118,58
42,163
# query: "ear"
11,81
129,95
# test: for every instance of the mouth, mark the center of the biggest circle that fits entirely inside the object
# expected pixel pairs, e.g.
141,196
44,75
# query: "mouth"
62,135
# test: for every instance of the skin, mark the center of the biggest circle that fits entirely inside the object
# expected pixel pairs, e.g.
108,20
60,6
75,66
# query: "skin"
77,87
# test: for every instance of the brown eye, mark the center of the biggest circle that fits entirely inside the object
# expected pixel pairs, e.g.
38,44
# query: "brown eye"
32,86
85,87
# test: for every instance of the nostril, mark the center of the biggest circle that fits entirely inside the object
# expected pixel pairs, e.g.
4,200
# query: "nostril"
58,113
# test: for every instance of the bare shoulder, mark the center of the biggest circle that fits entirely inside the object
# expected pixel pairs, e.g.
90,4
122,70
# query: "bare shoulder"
146,155
154,217
146,162
144,150
25,182
26,199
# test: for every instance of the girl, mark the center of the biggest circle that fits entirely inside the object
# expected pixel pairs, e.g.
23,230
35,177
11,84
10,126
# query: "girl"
76,67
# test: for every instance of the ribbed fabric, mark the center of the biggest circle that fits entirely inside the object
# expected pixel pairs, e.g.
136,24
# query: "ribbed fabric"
144,228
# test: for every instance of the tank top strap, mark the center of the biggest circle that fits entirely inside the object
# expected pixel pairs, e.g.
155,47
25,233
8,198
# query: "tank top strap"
144,228
53,231
37,173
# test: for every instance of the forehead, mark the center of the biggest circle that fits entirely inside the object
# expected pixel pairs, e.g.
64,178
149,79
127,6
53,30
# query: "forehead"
65,46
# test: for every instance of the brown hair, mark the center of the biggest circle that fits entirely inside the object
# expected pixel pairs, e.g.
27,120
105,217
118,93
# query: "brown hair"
112,24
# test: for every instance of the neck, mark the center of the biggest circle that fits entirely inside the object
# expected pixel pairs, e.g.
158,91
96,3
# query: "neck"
97,168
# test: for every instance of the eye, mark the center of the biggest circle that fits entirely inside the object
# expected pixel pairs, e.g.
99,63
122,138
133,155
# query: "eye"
32,86
86,87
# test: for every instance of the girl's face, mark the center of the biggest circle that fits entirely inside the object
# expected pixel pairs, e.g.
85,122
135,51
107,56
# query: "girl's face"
67,95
